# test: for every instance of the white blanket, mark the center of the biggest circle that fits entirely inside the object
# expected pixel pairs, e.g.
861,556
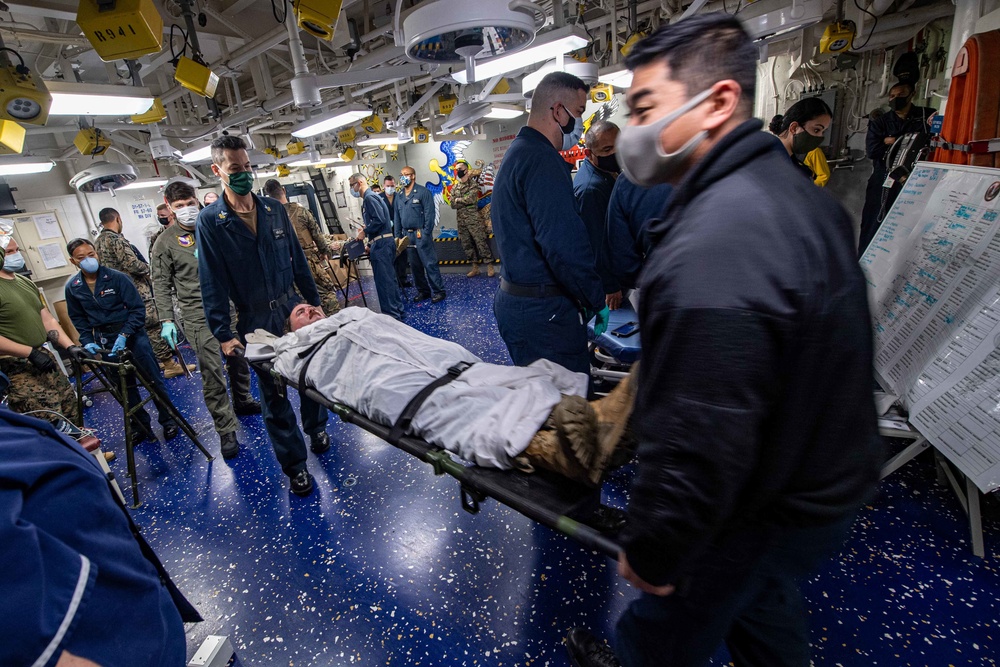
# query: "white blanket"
376,365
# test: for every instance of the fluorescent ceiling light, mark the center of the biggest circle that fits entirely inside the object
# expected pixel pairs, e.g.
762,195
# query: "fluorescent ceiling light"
89,99
333,120
387,139
21,166
265,174
545,47
587,72
145,183
197,154
504,112
619,77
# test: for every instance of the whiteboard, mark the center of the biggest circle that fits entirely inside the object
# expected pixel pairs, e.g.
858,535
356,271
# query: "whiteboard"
933,272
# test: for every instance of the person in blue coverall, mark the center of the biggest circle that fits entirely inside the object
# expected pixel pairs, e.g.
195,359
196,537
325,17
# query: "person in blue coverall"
402,260
592,188
109,314
629,213
549,285
248,252
415,215
81,587
381,244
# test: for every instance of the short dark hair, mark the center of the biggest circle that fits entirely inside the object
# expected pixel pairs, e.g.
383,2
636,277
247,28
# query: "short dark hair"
273,187
227,142
550,89
107,215
389,177
76,243
178,190
701,51
905,84
801,112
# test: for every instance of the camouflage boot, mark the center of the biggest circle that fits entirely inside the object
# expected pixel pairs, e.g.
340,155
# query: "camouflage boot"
474,271
567,444
613,412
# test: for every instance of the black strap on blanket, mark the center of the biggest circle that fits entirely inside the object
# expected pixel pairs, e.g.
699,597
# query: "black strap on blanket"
308,355
410,411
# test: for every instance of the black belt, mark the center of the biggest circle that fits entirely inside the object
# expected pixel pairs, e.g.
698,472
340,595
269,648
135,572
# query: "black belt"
537,291
410,411
111,328
268,306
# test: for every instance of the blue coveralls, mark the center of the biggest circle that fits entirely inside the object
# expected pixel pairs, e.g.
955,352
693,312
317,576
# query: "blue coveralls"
115,307
544,249
415,213
258,272
72,556
592,190
629,213
382,253
403,260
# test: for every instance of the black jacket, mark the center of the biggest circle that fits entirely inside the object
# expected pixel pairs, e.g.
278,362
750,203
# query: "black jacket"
754,402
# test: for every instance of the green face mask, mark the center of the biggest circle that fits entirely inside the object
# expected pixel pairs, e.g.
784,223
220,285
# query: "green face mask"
242,183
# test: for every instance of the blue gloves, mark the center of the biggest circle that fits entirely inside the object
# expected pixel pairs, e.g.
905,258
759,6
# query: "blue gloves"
93,348
168,332
121,340
601,323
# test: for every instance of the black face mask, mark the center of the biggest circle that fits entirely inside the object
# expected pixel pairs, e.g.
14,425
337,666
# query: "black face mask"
898,103
461,173
163,221
570,124
609,163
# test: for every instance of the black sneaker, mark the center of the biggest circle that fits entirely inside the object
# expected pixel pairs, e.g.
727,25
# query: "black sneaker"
439,297
585,651
250,407
302,484
319,442
140,435
421,297
170,431
229,445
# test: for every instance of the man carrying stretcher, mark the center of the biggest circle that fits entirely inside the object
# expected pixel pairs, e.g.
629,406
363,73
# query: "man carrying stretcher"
494,416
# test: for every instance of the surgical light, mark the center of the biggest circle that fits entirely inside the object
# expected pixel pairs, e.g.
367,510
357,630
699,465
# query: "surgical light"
90,99
103,177
11,166
335,119
545,47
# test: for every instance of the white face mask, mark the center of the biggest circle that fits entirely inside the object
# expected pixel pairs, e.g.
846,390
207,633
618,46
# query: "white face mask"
640,154
390,190
187,216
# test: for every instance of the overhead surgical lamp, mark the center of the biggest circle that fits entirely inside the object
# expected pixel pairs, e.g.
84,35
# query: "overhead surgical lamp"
545,47
336,118
103,177
587,72
19,166
91,99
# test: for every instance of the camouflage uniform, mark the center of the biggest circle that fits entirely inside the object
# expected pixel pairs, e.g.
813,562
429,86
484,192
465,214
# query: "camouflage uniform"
471,230
316,248
115,252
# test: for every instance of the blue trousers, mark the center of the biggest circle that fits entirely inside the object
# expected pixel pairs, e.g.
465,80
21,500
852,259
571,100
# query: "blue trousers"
143,357
424,264
282,429
382,255
744,590
542,328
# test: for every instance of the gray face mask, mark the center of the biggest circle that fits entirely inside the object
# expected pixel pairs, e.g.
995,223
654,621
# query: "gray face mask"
640,154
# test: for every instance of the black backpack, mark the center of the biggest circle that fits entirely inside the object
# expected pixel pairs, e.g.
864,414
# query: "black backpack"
902,155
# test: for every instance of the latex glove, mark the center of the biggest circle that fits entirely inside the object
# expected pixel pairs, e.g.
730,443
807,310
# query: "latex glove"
40,360
601,325
121,340
93,348
168,332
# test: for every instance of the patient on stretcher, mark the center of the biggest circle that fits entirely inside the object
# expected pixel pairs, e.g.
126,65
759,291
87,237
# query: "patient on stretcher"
495,416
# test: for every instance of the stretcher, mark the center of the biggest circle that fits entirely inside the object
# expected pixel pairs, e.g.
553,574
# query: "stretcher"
612,355
544,497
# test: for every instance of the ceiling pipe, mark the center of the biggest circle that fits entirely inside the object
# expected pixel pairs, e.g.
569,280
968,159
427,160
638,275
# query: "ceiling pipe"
46,37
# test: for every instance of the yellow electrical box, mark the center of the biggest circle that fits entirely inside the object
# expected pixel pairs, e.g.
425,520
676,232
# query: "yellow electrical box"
273,152
347,136
446,104
295,147
348,154
126,29
372,124
11,137
837,37
631,42
283,171
502,87
91,141
23,97
155,114
317,17
196,77
421,135
601,93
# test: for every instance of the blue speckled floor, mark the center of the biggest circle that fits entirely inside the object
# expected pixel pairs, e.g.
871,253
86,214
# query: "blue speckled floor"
380,566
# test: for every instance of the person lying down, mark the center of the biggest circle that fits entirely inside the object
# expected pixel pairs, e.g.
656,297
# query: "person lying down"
494,416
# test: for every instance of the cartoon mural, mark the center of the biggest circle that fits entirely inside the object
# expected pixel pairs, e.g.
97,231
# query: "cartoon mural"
454,151
604,112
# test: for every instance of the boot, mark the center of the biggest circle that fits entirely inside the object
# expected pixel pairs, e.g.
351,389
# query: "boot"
613,412
172,369
490,271
567,444
474,271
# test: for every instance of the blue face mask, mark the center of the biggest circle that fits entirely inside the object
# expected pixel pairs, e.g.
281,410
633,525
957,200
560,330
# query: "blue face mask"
404,181
572,138
13,262
90,265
